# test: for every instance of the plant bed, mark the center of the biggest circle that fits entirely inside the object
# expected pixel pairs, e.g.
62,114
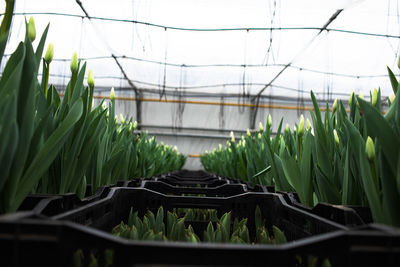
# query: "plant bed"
348,215
87,229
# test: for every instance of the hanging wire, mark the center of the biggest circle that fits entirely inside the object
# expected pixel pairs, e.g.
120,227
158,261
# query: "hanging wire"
207,29
177,114
395,51
300,97
165,65
300,52
327,78
269,50
134,30
181,104
221,115
388,26
242,99
156,86
398,28
330,66
120,80
223,65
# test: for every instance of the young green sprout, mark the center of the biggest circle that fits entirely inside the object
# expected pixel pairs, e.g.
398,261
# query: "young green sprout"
90,79
248,133
351,98
74,63
260,125
287,128
46,66
370,149
392,97
335,135
334,106
31,29
232,137
301,126
309,126
374,98
112,94
48,57
269,121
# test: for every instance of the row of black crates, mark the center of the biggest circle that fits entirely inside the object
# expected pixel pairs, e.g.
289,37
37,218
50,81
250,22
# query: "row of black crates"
48,230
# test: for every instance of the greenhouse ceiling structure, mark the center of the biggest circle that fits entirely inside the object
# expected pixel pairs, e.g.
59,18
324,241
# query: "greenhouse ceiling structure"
192,71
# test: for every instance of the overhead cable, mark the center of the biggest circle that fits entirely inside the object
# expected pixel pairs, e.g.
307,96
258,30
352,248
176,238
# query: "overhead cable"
254,112
226,65
188,88
135,89
207,29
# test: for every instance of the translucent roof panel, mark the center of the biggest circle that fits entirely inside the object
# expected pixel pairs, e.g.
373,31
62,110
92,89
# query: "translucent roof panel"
216,46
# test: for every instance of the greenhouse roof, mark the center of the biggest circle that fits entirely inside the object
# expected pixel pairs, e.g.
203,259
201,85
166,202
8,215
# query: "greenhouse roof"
248,48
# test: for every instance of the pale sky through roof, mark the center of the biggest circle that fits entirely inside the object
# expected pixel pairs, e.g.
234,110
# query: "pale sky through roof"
331,52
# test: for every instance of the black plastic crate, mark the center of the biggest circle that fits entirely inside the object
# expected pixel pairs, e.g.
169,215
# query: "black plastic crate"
225,190
180,179
107,213
212,182
186,174
25,241
53,244
52,204
344,214
252,187
209,177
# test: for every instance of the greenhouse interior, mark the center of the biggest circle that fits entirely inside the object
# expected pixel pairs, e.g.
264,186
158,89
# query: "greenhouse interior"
200,133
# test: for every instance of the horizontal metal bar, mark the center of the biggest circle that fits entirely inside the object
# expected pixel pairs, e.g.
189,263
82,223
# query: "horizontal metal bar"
221,137
193,128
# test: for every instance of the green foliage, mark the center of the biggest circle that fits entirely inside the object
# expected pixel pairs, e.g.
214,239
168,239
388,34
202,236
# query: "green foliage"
219,230
252,159
327,162
152,228
78,258
26,149
197,214
57,145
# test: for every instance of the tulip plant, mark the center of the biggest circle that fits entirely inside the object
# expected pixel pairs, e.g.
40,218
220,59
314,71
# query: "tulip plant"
152,227
53,144
26,149
343,158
